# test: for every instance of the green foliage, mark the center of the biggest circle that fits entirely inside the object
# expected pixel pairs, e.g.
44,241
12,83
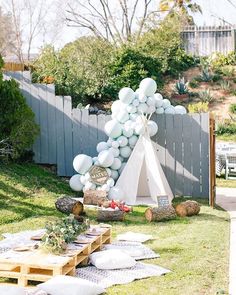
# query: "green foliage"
218,60
226,127
216,77
128,68
60,233
205,96
193,83
181,87
228,71
200,107
232,108
17,126
225,85
206,75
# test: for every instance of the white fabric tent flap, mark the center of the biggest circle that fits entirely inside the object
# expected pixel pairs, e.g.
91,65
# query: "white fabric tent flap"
143,175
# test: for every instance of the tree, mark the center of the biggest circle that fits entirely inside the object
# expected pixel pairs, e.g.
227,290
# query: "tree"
7,39
118,21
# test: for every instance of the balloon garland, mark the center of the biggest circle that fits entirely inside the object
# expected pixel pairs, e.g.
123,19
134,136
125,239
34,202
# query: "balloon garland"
123,131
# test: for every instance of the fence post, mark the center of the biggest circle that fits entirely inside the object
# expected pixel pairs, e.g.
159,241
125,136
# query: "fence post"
233,39
212,162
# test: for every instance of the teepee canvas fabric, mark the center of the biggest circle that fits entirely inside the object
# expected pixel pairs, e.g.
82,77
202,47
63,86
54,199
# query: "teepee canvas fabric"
143,175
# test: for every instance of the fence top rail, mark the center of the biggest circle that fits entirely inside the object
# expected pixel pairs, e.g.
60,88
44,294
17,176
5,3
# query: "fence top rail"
208,28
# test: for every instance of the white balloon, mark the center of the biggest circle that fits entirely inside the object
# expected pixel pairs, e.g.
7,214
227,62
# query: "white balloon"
114,174
131,109
170,110
166,103
126,95
113,129
83,179
96,163
105,187
115,144
158,96
95,159
180,110
114,151
151,101
75,183
152,128
135,102
89,185
109,142
110,182
142,97
122,140
122,116
117,106
116,193
160,110
132,140
121,159
125,151
82,163
148,86
116,164
151,109
142,108
105,158
139,129
108,171
121,168
133,116
159,103
87,176
127,132
102,146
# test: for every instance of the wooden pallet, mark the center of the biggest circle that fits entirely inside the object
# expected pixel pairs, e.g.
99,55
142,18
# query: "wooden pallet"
39,266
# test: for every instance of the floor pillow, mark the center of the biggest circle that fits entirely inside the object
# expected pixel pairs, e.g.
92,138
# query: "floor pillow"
12,290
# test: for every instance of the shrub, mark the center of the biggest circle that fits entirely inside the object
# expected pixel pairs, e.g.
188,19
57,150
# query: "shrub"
218,60
228,71
200,107
225,85
206,75
232,108
193,83
205,96
226,127
181,87
17,126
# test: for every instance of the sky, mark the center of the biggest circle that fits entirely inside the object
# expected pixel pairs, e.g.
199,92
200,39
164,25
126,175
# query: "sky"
214,12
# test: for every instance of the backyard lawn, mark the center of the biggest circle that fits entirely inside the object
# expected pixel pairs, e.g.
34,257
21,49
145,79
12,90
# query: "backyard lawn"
195,249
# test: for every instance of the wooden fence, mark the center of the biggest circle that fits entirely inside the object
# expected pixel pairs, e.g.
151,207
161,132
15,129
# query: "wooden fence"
182,140
203,41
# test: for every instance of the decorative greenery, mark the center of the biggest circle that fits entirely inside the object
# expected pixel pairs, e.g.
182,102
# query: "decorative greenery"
17,126
60,233
206,75
228,71
226,127
225,85
194,83
200,107
205,96
232,108
181,87
217,60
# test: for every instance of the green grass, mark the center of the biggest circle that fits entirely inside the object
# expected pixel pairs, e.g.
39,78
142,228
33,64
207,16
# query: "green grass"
195,249
222,182
226,137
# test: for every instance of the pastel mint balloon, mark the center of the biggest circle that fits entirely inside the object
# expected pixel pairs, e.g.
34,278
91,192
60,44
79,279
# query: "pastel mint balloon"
105,158
122,140
113,129
75,183
160,110
126,95
180,110
125,151
82,163
148,86
166,103
116,164
102,146
170,110
152,128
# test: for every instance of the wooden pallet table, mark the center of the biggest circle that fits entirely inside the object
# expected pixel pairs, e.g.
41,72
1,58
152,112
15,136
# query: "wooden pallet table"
38,266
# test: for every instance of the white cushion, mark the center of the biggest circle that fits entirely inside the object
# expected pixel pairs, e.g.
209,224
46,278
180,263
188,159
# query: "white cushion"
111,259
66,285
12,290
132,251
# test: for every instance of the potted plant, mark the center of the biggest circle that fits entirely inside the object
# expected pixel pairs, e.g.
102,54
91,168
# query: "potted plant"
181,90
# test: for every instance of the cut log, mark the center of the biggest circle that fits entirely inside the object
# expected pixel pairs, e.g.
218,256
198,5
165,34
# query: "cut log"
188,208
68,205
110,215
94,197
160,213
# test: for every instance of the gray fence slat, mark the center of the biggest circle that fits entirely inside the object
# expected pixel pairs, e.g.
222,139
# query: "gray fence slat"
68,135
179,170
43,122
61,171
161,140
170,151
205,154
101,119
196,139
52,147
85,132
76,127
26,85
187,140
35,98
93,135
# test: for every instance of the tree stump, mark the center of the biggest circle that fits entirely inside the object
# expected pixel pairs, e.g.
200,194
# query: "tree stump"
68,205
160,213
110,215
94,197
188,208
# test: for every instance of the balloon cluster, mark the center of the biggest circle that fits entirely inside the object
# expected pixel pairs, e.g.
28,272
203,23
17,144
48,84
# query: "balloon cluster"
123,131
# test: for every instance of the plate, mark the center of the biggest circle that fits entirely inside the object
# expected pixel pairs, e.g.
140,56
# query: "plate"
37,238
22,248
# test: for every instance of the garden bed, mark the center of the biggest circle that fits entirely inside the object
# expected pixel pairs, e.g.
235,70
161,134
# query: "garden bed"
195,249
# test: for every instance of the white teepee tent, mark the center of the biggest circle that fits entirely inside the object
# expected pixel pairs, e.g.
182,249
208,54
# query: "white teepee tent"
143,175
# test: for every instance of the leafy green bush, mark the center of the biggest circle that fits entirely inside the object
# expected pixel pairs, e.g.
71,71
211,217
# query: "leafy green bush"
193,83
200,107
17,126
205,96
225,85
218,60
228,71
232,108
226,127
181,87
